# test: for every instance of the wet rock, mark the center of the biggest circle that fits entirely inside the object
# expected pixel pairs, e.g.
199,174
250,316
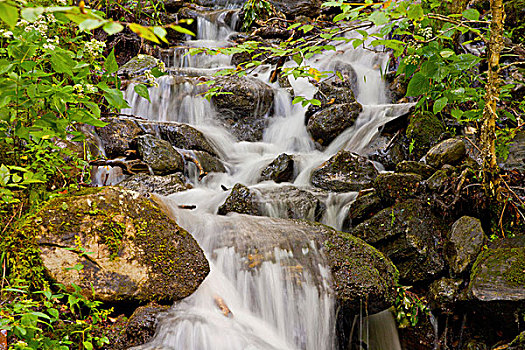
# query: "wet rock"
345,172
397,85
185,136
163,185
159,155
464,243
290,202
411,235
241,200
208,163
450,151
516,156
140,327
497,274
438,181
348,72
444,292
280,170
139,253
117,135
359,272
137,67
394,187
244,107
294,8
409,166
396,153
337,112
365,206
424,130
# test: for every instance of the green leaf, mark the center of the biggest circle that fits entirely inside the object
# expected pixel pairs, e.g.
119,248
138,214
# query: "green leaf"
62,63
144,32
30,14
418,85
298,59
113,96
161,33
90,24
113,27
110,64
457,113
415,13
446,53
439,105
181,29
8,13
471,14
142,91
87,345
378,18
306,28
53,312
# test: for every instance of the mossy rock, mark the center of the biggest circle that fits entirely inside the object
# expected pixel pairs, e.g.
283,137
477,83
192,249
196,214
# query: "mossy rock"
464,243
411,235
281,169
117,245
498,275
241,200
450,151
424,129
396,187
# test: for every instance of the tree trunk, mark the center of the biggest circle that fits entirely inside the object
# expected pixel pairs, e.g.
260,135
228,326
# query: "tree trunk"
488,129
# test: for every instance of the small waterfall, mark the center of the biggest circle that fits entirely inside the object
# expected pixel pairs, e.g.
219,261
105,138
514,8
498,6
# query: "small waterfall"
273,293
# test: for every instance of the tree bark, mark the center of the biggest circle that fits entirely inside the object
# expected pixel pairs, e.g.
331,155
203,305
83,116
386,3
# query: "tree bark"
488,129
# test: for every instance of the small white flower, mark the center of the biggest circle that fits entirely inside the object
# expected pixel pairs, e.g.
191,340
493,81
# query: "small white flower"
49,47
78,88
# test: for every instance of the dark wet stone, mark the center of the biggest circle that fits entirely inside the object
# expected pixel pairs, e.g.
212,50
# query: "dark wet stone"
280,170
241,200
294,8
140,327
409,166
365,206
438,181
244,107
464,243
337,112
210,164
163,185
291,203
450,151
444,292
411,235
516,156
498,273
159,155
345,172
117,135
185,136
395,187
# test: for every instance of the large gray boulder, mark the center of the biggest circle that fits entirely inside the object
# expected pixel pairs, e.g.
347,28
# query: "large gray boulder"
345,172
119,246
360,273
411,235
464,243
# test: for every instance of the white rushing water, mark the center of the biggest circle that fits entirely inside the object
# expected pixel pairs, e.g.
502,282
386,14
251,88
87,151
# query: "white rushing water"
277,298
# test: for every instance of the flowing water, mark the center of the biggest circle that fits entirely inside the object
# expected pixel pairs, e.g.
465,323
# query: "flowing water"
260,296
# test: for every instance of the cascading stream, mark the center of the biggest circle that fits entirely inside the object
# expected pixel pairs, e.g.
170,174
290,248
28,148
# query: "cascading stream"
258,296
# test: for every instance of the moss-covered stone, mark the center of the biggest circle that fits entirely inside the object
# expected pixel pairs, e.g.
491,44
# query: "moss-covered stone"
411,235
397,187
424,129
464,243
119,245
450,151
499,275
